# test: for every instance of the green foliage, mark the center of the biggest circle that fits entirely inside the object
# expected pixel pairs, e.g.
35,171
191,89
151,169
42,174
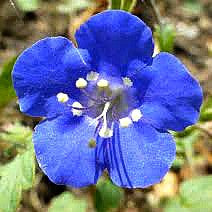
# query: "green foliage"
28,6
197,192
184,143
115,4
66,202
108,196
174,205
165,36
206,110
126,5
192,6
194,196
7,92
17,134
185,140
70,6
16,176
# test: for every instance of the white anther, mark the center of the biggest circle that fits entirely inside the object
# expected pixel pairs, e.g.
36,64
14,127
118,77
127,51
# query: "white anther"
81,83
106,133
125,122
92,76
127,81
62,97
75,111
136,115
102,83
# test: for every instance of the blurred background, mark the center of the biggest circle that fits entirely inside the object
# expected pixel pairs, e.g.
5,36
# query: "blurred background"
182,27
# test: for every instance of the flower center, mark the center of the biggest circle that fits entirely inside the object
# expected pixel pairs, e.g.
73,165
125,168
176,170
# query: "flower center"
105,101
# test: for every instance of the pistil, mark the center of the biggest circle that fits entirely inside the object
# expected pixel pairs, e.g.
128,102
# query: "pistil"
104,132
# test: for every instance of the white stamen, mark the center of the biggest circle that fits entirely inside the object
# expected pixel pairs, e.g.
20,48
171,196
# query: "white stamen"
62,97
136,115
81,83
75,111
125,122
92,76
102,83
127,81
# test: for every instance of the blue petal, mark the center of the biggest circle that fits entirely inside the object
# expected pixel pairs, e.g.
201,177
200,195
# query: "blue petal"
173,98
48,67
63,152
141,78
141,155
116,37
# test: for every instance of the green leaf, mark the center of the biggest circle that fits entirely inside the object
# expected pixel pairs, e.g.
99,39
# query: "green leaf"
17,134
188,140
174,205
184,146
178,162
28,6
206,110
192,6
194,196
70,6
128,5
207,104
107,196
165,36
66,202
115,4
197,193
16,176
7,92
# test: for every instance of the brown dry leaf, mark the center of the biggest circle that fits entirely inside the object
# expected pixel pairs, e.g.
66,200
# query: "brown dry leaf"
77,21
186,172
131,210
209,45
168,187
205,152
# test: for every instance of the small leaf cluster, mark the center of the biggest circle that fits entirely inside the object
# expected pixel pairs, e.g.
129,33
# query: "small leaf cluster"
194,196
107,196
17,175
127,5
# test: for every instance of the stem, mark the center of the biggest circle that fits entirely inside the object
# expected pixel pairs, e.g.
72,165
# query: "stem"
128,5
18,12
115,4
189,156
156,12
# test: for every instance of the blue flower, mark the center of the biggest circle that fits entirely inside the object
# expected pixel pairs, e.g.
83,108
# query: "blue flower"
108,103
